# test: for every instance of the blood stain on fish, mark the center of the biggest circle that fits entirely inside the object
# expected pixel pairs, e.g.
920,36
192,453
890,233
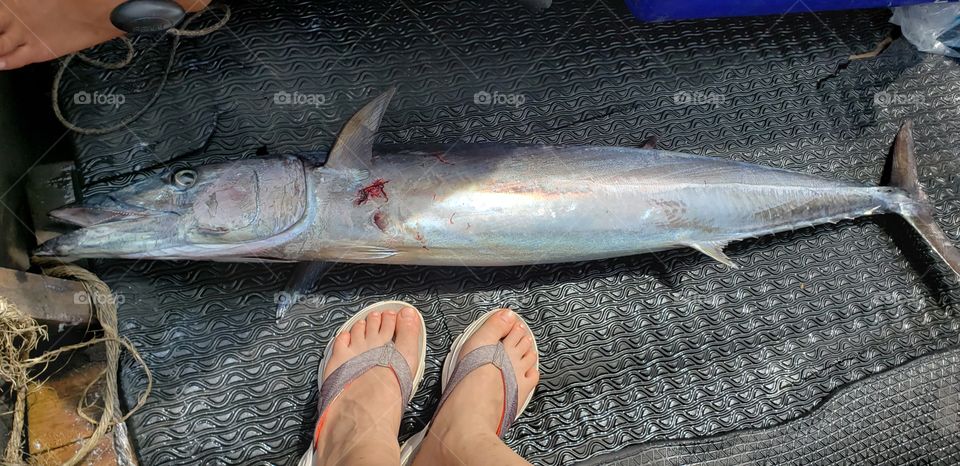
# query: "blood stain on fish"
423,242
372,191
439,157
380,220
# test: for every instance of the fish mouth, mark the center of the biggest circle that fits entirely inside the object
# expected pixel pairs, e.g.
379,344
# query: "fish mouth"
103,209
109,228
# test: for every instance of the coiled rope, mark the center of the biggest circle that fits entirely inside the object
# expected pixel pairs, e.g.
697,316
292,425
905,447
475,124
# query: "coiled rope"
177,33
21,335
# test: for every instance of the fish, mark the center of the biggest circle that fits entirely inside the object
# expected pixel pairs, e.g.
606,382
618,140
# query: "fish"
474,205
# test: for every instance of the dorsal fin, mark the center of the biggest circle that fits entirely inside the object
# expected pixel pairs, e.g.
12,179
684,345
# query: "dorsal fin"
354,146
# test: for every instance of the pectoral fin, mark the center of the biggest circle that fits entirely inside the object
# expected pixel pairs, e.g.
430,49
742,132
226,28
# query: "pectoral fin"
364,253
354,146
304,276
715,250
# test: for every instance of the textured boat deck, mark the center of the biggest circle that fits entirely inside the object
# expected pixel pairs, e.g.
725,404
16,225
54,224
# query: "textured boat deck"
669,357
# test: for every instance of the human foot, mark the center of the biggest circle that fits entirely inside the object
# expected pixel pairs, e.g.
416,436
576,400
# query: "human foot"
469,419
33,31
361,424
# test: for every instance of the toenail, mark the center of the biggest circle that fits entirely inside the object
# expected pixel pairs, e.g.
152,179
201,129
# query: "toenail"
406,313
3,65
375,314
507,315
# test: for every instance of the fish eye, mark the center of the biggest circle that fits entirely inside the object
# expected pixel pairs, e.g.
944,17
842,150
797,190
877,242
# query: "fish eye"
185,178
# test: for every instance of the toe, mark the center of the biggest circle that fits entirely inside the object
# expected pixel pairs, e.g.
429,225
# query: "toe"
527,374
408,336
9,42
527,361
342,341
531,378
388,325
497,326
525,344
358,333
373,327
494,329
341,350
20,57
515,337
6,20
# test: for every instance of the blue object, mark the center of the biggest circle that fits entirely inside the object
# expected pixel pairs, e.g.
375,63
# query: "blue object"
669,10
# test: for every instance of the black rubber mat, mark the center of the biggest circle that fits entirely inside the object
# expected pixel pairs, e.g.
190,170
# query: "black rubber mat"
906,416
649,348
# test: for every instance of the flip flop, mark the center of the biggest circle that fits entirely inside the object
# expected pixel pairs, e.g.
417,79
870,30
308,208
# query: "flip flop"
454,372
385,355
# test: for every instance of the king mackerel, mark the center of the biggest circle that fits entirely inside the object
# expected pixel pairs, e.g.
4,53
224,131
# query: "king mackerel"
474,205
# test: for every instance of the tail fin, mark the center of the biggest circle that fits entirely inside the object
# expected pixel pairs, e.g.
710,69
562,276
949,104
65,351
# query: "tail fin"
918,212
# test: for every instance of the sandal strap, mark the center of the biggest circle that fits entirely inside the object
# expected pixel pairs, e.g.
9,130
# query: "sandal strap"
381,356
489,354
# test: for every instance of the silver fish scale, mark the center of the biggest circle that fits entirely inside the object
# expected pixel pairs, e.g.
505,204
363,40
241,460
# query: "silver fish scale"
639,349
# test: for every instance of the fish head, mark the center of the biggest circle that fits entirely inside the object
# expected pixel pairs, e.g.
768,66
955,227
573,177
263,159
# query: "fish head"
220,210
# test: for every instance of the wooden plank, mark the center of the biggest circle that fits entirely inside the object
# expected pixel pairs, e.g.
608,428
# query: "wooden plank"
103,455
46,299
55,431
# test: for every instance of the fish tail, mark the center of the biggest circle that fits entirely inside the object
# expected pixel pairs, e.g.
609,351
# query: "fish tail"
915,208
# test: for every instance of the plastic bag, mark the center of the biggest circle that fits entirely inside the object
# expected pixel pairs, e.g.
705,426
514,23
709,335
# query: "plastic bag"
931,27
